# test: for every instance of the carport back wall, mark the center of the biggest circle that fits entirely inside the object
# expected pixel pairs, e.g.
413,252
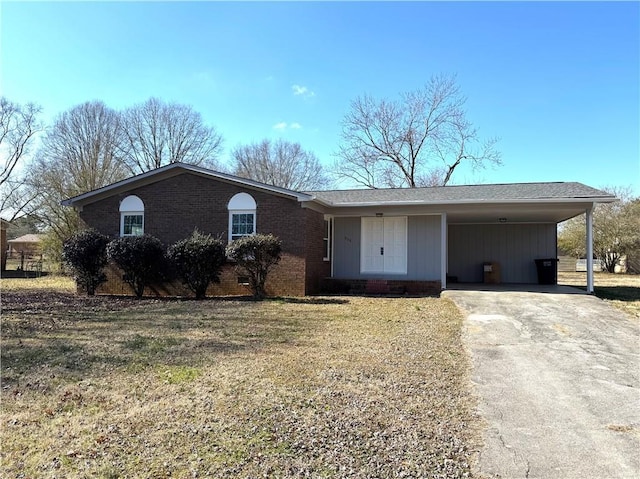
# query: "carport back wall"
513,246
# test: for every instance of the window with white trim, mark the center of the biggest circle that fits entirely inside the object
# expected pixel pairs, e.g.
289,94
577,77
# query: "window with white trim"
131,216
242,216
328,227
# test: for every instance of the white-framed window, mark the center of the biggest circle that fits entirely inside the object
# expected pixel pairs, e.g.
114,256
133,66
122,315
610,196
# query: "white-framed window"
328,235
131,216
242,216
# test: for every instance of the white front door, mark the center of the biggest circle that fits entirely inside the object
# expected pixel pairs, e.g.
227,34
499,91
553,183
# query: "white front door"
384,245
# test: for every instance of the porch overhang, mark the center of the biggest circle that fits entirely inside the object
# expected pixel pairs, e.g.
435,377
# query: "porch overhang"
478,212
521,212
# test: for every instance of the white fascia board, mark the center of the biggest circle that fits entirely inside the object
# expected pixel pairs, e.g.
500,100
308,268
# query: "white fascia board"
471,202
318,201
364,204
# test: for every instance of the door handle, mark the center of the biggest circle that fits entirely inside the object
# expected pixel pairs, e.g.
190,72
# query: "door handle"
382,250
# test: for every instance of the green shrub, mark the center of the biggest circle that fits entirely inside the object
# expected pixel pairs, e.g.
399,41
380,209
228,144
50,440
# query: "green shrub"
86,255
255,256
141,258
198,261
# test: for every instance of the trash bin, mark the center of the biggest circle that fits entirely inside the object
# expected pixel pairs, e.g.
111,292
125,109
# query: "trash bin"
491,272
547,270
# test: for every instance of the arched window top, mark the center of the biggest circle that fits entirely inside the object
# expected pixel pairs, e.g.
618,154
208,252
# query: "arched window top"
131,216
131,203
242,216
242,201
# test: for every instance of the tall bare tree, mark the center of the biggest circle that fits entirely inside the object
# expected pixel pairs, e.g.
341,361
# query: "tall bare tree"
419,140
19,124
160,133
279,163
81,152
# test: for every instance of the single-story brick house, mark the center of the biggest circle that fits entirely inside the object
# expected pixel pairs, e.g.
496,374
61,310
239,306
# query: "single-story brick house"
377,239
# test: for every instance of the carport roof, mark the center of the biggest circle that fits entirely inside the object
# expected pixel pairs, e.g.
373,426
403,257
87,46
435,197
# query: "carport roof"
491,193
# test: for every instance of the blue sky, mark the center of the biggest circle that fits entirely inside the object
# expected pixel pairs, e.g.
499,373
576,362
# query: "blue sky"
557,82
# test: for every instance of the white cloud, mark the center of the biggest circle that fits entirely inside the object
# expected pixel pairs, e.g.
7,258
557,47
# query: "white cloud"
299,90
302,90
283,125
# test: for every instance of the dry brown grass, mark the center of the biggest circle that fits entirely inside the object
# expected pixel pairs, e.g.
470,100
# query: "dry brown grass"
43,283
620,290
316,387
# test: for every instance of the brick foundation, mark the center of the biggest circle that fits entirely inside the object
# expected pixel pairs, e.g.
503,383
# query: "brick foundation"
380,287
286,279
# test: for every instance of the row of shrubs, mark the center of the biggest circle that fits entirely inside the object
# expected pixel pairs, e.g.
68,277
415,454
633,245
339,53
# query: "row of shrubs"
197,260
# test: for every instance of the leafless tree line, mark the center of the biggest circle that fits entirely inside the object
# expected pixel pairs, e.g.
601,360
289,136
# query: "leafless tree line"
419,140
280,163
90,146
18,126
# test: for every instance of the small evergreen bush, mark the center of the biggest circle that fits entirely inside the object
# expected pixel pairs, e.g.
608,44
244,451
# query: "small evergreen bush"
198,261
256,255
86,255
141,258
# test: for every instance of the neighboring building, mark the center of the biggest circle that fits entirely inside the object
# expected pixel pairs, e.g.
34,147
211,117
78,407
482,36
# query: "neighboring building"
404,240
4,225
581,265
567,263
28,245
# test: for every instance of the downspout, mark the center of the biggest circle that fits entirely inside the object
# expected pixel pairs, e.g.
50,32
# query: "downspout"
589,214
332,243
443,250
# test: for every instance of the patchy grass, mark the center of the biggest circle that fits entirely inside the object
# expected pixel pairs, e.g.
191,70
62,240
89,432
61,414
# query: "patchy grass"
313,387
44,283
621,290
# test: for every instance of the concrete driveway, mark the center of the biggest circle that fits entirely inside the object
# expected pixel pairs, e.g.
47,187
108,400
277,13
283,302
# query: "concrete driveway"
558,378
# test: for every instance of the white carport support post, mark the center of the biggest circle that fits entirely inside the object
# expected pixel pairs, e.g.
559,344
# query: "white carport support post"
590,249
443,250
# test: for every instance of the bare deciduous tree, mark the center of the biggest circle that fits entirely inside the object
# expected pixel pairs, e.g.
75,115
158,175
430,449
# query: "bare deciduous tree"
616,230
80,153
159,133
279,163
417,141
18,126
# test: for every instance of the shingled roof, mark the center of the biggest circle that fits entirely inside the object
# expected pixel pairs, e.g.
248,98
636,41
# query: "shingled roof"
494,193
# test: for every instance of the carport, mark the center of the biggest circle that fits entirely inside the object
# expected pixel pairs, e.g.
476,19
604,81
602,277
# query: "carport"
447,234
509,235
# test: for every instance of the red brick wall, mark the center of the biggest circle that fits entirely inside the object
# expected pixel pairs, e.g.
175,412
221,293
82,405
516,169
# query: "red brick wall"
316,268
284,280
175,206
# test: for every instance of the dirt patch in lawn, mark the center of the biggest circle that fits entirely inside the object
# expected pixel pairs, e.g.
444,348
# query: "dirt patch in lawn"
318,387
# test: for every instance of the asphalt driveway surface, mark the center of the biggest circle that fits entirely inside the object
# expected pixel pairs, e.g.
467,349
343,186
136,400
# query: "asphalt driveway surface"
558,377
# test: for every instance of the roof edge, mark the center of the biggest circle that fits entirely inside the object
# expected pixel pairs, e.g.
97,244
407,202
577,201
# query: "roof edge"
592,199
79,199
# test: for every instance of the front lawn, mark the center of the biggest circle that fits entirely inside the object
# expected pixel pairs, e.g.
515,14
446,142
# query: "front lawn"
309,387
620,290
